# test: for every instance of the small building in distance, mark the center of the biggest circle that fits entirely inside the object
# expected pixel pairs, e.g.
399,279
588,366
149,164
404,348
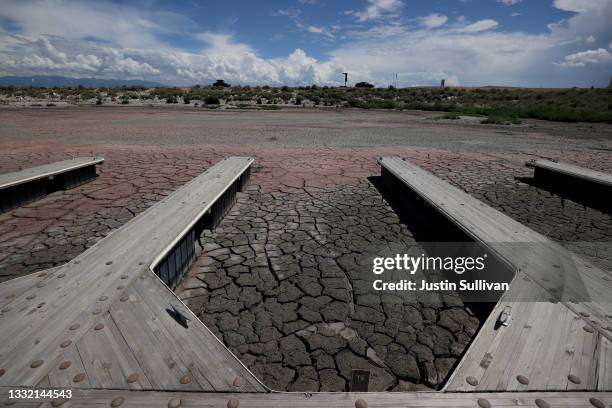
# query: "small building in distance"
363,85
219,83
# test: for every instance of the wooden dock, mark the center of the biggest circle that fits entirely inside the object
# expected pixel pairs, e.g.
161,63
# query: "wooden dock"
589,187
108,327
553,169
174,399
30,184
560,332
105,320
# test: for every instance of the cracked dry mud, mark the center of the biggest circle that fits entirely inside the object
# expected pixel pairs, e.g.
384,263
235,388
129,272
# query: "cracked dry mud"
279,281
285,283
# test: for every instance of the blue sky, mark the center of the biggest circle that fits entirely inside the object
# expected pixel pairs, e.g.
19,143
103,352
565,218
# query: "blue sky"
277,42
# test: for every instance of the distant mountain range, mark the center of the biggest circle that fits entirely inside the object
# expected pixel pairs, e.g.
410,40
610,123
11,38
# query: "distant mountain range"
61,81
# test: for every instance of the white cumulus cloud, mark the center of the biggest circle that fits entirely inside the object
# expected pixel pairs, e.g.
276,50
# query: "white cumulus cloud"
377,9
433,20
580,59
481,25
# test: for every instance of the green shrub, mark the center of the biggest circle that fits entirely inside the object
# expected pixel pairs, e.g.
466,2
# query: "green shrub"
211,100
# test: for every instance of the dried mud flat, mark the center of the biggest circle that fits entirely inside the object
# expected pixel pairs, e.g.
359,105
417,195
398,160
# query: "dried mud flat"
281,280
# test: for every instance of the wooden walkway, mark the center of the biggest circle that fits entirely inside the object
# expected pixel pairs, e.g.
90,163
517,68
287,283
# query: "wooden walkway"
30,184
560,331
155,399
107,327
566,170
105,320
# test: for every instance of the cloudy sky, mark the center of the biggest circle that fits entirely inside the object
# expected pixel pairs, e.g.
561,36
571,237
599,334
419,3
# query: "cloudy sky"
468,42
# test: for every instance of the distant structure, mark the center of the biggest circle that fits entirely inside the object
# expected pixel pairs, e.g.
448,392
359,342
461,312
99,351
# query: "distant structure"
221,84
442,83
363,85
610,84
345,78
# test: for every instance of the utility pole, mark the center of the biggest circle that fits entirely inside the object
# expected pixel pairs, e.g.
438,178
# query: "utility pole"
345,78
396,80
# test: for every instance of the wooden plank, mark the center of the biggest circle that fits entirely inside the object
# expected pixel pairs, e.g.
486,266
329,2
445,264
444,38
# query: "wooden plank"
604,380
85,288
156,353
572,170
108,359
46,170
13,288
544,261
124,398
210,359
69,372
545,342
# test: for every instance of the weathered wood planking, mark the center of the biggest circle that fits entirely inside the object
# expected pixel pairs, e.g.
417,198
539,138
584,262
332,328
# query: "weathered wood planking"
571,170
152,399
46,171
34,183
15,287
46,320
545,341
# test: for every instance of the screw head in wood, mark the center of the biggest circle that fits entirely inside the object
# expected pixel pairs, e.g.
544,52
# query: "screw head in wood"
74,326
484,403
233,403
99,326
102,298
472,381
174,403
109,262
124,276
522,379
40,284
64,365
30,297
124,298
79,377
596,403
361,404
36,363
66,343
58,402
61,275
117,402
97,311
132,378
2,371
237,382
6,309
588,329
185,379
541,403
574,379
584,314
